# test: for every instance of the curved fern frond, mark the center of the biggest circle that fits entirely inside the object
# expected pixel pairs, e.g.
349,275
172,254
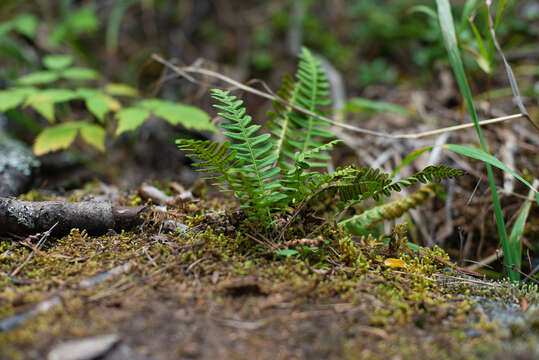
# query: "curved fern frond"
255,151
428,174
367,183
214,158
361,223
352,183
295,182
300,158
313,94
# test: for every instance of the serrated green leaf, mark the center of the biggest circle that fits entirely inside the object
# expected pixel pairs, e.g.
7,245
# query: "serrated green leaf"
13,97
43,101
93,135
57,62
26,24
98,103
189,116
46,109
98,106
56,138
10,100
38,78
80,73
121,90
51,96
130,119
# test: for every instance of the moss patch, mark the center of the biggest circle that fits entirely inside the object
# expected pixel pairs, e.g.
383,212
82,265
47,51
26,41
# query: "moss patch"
212,291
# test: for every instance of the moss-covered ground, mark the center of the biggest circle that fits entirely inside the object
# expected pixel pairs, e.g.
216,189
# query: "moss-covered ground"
211,292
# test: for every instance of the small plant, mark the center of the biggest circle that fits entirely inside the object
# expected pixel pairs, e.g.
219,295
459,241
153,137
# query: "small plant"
60,83
510,245
271,173
55,88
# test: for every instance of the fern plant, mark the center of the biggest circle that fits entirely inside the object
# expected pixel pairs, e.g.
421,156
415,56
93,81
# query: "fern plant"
295,131
272,172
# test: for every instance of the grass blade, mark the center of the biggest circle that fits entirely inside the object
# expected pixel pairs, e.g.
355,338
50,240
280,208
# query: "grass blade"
487,158
450,41
515,245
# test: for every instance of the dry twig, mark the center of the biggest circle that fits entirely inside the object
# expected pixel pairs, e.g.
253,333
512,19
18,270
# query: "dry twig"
271,96
39,245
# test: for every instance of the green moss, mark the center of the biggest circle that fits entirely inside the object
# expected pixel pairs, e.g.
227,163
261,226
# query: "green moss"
190,269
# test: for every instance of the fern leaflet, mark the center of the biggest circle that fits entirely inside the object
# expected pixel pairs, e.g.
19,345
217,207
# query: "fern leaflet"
361,223
215,158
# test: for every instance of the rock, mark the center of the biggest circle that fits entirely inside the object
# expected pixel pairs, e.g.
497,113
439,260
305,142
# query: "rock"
17,163
83,349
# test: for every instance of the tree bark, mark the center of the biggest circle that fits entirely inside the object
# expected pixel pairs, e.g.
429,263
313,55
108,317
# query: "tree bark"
96,217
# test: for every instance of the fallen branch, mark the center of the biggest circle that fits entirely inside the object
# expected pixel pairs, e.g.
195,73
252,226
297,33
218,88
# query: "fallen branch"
96,217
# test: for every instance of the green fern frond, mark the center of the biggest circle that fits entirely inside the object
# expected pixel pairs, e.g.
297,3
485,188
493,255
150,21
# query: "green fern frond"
352,183
295,182
300,158
255,151
367,183
281,125
428,174
294,130
359,224
312,95
268,174
214,158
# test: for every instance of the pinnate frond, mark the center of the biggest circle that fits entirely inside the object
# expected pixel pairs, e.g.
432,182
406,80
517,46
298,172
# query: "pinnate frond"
353,183
281,126
294,130
428,174
254,150
361,223
213,158
297,182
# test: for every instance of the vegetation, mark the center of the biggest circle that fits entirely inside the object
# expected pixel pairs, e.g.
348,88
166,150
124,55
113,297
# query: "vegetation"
347,217
264,173
99,102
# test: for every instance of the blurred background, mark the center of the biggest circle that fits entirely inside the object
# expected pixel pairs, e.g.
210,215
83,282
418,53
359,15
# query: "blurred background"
386,62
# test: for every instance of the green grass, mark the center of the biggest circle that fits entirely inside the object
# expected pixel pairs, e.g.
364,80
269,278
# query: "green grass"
450,41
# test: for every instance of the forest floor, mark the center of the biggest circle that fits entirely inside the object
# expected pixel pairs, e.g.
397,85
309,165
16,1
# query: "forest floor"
191,283
205,291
